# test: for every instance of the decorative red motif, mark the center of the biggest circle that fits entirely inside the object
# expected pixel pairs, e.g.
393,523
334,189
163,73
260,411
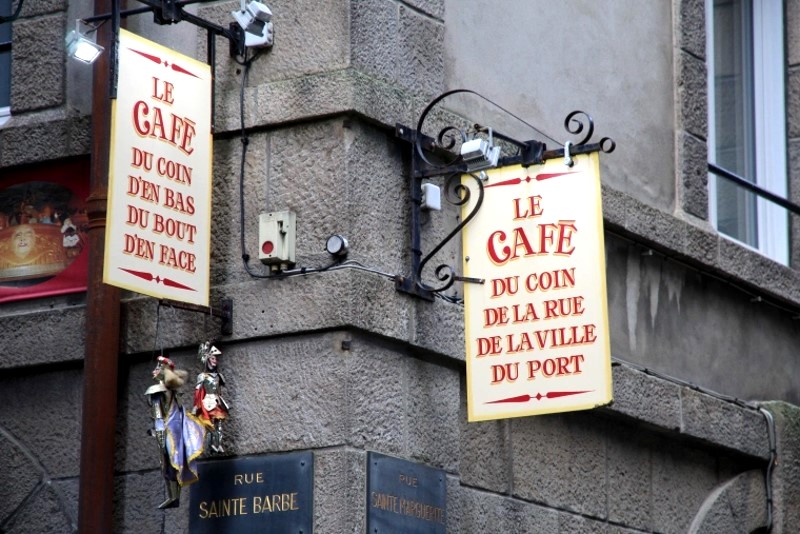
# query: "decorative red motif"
514,181
150,278
538,396
156,59
547,176
539,178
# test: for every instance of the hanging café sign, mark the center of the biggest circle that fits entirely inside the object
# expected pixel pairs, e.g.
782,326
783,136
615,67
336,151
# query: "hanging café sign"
158,233
537,337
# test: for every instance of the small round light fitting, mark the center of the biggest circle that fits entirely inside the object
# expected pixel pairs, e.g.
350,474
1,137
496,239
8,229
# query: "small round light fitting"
337,245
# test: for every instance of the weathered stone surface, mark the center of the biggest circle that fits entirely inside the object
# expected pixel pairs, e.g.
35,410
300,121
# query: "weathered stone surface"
577,524
693,175
432,414
378,383
433,8
681,478
692,95
43,141
61,328
420,53
33,8
16,464
794,196
137,496
737,505
793,102
629,479
691,27
46,419
792,25
339,489
374,36
560,461
37,66
45,512
645,398
702,244
654,226
486,512
478,467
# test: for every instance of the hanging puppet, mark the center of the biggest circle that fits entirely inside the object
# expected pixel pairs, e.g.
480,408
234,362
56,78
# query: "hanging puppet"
180,435
209,405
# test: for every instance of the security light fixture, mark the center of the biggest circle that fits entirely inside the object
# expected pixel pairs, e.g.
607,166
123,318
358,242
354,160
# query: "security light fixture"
480,154
81,47
255,18
337,245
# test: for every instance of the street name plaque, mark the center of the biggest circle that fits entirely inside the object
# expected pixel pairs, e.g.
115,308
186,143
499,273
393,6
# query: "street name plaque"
253,495
404,497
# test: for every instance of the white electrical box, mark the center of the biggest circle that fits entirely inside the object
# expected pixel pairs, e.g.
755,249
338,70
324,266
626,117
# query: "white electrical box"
276,237
431,197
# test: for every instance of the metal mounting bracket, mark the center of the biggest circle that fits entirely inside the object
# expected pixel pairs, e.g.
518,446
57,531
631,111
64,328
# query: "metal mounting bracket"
439,156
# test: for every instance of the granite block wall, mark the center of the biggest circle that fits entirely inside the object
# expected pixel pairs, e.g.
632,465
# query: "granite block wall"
339,363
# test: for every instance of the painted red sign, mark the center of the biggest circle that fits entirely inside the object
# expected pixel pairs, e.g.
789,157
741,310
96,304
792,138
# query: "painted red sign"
43,225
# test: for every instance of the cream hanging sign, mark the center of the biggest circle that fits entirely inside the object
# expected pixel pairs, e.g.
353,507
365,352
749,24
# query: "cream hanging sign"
158,228
537,337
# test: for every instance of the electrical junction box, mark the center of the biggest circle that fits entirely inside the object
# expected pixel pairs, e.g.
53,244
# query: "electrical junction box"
276,237
431,197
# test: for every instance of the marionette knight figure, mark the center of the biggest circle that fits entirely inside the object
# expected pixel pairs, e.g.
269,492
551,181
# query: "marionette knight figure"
209,405
180,435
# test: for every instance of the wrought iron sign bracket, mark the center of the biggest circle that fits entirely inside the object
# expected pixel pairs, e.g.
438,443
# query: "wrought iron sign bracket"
224,311
455,153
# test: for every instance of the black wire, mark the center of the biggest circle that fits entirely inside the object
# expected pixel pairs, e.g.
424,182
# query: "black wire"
245,140
94,27
13,16
155,340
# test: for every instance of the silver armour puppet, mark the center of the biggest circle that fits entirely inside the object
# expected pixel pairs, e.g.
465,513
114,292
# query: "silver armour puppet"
209,405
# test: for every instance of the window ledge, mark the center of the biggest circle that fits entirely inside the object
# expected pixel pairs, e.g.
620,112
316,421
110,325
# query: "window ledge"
695,243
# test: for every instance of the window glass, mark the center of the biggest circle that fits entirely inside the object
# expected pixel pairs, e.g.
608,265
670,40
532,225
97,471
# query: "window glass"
747,120
734,147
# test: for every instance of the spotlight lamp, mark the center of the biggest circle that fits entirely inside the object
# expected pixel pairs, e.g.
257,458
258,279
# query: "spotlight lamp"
480,154
337,246
255,18
81,47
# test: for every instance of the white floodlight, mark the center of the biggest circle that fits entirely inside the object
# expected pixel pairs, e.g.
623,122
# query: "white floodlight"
480,154
255,18
337,245
81,47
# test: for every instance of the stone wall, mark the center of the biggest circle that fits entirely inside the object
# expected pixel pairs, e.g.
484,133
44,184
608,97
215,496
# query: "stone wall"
340,363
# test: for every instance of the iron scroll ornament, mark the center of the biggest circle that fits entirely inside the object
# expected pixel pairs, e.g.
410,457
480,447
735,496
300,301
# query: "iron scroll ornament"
458,194
606,144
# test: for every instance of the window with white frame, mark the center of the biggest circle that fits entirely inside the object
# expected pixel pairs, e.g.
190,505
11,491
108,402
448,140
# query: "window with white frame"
5,61
747,120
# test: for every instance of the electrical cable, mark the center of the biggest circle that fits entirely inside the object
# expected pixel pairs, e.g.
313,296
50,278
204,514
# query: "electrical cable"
93,27
14,16
245,140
